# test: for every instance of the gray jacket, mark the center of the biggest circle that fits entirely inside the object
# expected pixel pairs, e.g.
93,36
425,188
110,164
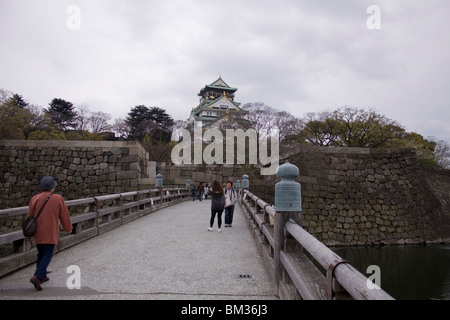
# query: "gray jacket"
232,195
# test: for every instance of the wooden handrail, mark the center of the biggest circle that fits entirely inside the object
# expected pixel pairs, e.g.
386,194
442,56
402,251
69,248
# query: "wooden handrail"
99,214
307,279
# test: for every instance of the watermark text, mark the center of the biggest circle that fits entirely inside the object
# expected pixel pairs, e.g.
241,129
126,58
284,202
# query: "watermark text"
234,143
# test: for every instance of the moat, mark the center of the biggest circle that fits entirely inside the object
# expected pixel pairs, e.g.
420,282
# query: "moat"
407,272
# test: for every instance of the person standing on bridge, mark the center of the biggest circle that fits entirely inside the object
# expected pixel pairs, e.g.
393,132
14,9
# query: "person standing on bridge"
193,191
229,211
206,191
47,231
217,204
200,191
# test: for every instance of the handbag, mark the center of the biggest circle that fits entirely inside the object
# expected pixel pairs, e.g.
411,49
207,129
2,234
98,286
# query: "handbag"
227,201
30,224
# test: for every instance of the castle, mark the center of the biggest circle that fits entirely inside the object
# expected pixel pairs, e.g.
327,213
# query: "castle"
216,103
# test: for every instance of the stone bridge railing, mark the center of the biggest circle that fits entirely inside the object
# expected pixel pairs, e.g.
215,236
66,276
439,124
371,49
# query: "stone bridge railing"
301,266
90,217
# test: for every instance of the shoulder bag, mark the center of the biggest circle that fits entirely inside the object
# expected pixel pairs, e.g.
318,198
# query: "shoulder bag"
227,200
30,224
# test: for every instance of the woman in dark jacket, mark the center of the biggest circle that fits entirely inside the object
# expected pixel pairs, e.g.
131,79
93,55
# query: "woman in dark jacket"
217,204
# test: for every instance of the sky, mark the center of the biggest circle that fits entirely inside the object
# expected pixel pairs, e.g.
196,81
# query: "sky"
298,56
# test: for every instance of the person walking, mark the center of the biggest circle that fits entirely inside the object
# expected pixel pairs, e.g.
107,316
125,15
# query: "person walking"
229,211
200,191
217,205
193,190
46,235
206,191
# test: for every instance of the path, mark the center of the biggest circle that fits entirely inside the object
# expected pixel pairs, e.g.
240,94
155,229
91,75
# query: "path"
165,255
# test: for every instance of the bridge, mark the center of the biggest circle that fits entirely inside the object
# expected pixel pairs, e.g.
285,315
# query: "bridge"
154,244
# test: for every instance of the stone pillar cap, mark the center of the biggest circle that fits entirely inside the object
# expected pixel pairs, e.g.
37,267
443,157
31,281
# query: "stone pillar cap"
287,171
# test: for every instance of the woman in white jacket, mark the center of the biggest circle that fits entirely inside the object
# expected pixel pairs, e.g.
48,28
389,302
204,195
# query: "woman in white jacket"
229,211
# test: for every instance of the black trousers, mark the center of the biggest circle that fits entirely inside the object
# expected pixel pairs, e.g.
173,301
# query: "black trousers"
213,216
229,211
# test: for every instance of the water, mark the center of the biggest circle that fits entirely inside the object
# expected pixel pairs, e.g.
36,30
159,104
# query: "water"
407,272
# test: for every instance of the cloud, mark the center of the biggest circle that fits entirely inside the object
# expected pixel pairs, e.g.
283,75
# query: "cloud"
299,56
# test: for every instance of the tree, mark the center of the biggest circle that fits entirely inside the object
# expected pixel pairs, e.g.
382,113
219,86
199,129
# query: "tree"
441,152
153,121
263,117
366,129
83,114
424,148
350,127
62,114
158,150
320,130
14,117
18,101
260,116
121,129
99,122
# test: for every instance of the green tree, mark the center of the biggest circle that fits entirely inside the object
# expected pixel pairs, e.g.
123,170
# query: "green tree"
14,118
48,134
425,148
367,129
350,127
62,114
153,121
320,130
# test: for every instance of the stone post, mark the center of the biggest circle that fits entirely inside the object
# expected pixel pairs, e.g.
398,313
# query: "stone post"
287,204
245,182
159,184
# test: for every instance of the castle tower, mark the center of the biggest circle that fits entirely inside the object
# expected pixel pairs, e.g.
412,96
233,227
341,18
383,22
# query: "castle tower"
216,103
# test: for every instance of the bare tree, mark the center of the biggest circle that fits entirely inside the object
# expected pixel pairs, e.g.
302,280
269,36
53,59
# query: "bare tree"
441,152
287,124
121,128
83,118
5,95
99,122
260,116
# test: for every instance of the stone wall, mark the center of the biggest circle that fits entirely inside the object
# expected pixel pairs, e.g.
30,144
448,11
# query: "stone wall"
368,196
349,195
352,196
81,168
178,174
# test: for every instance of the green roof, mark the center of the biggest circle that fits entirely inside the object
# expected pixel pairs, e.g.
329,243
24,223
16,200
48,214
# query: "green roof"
207,103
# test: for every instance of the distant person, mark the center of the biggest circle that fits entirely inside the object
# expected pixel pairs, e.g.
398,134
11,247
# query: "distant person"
217,205
206,191
47,231
229,211
200,191
193,190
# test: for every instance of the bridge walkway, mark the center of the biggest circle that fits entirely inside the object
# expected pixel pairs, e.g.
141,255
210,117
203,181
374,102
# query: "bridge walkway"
168,254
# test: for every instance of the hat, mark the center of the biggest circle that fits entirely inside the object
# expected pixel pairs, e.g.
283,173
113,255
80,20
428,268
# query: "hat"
47,183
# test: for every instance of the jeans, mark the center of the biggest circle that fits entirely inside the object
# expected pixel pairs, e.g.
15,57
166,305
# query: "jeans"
229,211
45,254
213,216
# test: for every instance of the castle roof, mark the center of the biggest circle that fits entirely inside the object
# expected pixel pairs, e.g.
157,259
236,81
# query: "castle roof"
218,85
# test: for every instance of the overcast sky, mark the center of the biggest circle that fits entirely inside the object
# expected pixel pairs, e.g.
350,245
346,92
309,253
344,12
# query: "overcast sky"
294,55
